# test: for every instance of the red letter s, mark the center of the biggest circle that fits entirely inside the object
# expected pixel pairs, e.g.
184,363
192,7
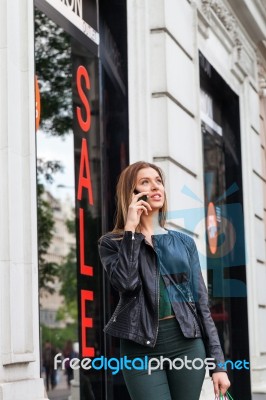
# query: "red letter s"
84,124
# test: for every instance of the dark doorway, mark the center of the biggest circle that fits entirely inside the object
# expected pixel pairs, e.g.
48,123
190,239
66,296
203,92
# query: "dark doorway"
226,262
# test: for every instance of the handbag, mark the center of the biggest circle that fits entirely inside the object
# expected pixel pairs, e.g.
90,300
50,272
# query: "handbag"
227,396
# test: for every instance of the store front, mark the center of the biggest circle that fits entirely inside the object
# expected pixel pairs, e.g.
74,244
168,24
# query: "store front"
226,262
83,52
82,145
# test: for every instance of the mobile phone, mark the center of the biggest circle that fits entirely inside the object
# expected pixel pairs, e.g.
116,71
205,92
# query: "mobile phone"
144,198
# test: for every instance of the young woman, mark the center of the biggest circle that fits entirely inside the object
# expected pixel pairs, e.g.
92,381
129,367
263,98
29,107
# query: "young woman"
163,307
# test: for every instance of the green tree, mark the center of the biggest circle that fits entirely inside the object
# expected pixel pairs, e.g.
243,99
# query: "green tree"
68,278
47,270
53,69
58,336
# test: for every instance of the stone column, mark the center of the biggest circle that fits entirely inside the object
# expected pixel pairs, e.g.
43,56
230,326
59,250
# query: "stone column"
19,321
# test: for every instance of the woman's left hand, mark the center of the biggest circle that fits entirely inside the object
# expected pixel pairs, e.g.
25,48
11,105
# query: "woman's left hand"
220,383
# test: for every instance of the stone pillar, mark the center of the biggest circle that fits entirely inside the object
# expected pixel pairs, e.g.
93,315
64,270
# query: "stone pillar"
19,333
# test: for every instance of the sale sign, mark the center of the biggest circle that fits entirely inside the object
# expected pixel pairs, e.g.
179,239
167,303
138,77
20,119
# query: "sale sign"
84,199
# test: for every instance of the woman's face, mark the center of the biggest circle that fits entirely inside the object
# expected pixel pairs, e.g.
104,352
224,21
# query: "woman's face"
148,180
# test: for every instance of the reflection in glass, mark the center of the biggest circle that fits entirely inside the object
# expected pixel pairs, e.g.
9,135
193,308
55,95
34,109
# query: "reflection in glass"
56,217
226,263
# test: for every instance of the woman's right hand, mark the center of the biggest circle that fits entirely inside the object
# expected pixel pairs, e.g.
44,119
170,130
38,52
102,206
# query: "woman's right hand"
135,209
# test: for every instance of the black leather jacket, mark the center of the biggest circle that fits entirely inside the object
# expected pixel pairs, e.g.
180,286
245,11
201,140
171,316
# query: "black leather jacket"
133,267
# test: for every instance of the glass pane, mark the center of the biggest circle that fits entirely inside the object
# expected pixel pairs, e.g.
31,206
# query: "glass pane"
56,203
81,149
224,219
69,211
56,206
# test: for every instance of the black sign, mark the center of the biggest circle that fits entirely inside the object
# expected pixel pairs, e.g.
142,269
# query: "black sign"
79,18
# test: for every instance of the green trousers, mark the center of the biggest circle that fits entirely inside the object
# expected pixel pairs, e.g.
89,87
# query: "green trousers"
166,383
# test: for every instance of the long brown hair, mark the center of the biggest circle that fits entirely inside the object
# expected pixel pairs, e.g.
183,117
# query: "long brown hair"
124,190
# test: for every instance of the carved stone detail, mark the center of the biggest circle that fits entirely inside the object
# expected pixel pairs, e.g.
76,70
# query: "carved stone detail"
230,24
225,16
206,8
261,76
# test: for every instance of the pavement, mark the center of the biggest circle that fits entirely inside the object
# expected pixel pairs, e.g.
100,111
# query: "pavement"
58,394
61,391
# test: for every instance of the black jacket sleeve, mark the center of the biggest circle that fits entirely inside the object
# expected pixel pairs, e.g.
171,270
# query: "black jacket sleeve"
210,334
119,257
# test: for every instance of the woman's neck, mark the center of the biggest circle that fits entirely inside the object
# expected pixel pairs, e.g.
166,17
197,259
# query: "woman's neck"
149,224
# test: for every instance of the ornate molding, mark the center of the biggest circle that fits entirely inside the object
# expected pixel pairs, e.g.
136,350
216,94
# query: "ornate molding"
225,16
216,11
261,76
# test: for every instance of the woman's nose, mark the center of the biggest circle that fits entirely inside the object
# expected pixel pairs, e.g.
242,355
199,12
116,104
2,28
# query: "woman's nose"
154,186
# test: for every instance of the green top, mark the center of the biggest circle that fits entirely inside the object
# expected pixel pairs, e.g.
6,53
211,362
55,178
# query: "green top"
165,307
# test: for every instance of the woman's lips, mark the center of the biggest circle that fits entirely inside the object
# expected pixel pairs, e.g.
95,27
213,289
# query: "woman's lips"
156,197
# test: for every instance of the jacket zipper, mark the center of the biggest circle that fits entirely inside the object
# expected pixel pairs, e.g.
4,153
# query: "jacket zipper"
157,277
118,311
132,246
115,315
157,308
195,328
123,308
194,315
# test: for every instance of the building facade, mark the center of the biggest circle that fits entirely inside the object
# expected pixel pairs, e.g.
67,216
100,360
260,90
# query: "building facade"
189,54
176,82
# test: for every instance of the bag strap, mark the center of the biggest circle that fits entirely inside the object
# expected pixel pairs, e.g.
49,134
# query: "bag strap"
227,396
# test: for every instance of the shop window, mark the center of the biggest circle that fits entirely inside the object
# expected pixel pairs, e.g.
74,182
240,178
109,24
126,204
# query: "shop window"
226,263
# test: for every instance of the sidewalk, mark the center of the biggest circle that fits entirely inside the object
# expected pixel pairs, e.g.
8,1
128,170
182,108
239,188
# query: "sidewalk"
58,394
61,391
